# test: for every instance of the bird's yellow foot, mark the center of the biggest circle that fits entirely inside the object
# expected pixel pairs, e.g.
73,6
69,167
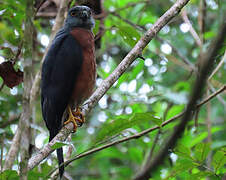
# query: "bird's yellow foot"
79,114
75,118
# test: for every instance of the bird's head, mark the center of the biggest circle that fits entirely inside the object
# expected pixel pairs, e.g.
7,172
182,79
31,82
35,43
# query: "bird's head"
80,16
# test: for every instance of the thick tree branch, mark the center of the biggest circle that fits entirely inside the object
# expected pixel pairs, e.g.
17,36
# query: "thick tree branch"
107,83
206,67
25,119
13,150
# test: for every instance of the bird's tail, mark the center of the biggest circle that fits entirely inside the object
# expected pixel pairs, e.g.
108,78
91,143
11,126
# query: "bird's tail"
60,161
60,156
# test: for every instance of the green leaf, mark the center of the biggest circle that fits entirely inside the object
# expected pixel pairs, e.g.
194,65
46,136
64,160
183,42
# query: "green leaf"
34,175
176,109
218,144
183,151
136,154
118,125
201,151
199,138
139,108
96,27
140,117
7,52
201,174
219,159
137,69
111,153
182,86
129,35
209,34
102,73
58,145
9,174
181,165
124,77
45,169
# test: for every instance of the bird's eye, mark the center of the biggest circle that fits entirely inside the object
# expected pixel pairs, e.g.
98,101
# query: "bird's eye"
73,13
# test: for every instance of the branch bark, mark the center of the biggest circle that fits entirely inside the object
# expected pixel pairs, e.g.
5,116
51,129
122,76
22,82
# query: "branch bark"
13,150
25,119
107,83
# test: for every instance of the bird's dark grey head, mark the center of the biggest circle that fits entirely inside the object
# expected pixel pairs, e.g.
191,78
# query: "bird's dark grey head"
80,16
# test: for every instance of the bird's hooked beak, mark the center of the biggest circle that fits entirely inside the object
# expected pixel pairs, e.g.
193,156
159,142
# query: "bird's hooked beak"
84,15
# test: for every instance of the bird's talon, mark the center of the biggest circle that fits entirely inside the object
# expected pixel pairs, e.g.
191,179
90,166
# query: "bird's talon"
78,113
77,118
74,123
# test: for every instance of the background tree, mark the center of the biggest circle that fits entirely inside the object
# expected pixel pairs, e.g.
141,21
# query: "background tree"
147,103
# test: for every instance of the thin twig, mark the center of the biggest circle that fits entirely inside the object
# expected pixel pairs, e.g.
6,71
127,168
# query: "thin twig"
191,29
15,59
196,118
201,19
13,150
150,154
12,119
212,95
213,90
175,51
209,127
132,4
218,66
39,6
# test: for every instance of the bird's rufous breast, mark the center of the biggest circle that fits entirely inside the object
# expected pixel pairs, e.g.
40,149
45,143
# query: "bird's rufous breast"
86,78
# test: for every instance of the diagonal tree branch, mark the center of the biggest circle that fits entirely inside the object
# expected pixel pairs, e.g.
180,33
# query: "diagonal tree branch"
13,150
107,83
219,65
191,29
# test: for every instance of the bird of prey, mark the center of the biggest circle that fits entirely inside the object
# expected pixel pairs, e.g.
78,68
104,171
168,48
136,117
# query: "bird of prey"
68,73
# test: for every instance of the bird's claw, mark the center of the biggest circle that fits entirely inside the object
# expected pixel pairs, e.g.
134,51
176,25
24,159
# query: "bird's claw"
77,118
79,114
